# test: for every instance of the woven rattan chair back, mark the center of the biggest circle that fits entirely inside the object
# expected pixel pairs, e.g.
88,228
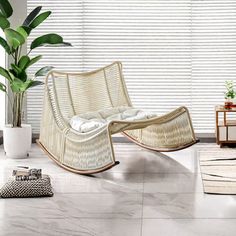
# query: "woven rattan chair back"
78,93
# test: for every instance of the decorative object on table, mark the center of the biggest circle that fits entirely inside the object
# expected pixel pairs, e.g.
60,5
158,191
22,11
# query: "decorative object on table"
17,136
27,182
230,94
218,170
97,105
24,173
225,128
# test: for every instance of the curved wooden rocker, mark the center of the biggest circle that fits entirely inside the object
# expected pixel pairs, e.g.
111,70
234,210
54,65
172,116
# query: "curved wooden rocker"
70,94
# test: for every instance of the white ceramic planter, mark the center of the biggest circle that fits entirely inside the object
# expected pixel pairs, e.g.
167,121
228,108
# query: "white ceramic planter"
17,141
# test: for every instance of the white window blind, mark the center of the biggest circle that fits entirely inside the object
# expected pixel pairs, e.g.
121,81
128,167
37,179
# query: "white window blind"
152,38
213,57
174,52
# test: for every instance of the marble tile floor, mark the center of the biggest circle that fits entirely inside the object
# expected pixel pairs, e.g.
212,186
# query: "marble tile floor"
149,194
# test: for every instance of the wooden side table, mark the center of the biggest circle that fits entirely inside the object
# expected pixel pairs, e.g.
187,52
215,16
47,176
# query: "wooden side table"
225,128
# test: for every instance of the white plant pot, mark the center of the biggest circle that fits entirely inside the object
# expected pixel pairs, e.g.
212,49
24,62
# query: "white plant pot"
17,141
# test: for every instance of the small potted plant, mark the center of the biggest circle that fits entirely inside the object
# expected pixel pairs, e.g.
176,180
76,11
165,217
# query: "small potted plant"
230,94
17,136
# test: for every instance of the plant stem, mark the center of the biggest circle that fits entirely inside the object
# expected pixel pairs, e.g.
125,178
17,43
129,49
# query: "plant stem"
10,102
19,52
16,53
14,111
29,52
17,109
13,56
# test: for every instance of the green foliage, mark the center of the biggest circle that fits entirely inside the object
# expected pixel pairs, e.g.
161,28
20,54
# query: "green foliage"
21,30
39,19
4,44
43,71
4,23
5,74
23,62
14,38
48,39
16,75
31,16
33,60
230,92
18,72
6,9
27,29
3,87
19,86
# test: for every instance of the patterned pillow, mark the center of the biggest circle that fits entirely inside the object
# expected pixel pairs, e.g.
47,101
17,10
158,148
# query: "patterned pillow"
27,188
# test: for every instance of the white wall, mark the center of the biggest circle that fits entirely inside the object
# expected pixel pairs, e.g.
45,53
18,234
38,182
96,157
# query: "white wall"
2,95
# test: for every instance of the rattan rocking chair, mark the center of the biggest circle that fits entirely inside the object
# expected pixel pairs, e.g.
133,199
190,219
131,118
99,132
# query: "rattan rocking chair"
69,94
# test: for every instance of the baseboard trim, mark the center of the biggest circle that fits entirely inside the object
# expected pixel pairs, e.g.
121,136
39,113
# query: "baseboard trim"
207,140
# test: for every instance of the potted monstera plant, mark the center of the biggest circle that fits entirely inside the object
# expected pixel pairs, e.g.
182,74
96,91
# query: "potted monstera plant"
17,136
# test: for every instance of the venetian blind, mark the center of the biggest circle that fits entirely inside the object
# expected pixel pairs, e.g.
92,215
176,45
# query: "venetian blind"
174,52
213,57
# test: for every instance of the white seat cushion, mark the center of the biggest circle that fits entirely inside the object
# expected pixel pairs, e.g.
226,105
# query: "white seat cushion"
90,121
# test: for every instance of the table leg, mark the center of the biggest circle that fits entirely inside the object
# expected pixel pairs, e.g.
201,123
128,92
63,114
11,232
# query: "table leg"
217,127
224,118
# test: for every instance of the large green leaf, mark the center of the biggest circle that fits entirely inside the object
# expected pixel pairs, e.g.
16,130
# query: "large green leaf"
3,87
33,61
43,71
5,74
6,8
14,38
32,83
63,44
23,62
27,29
18,85
48,39
4,23
31,16
4,44
22,31
16,69
18,72
39,19
23,76
11,75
